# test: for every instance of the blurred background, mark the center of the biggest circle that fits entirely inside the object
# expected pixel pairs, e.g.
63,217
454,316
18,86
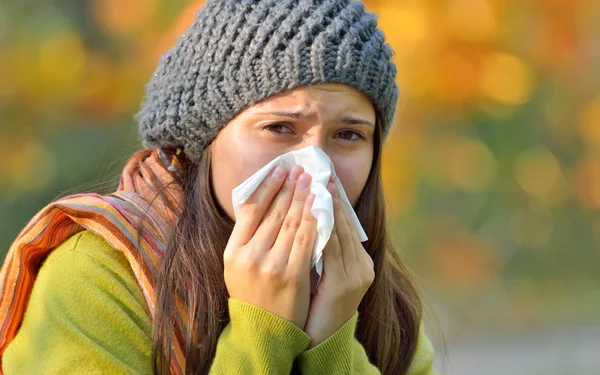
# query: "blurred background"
492,171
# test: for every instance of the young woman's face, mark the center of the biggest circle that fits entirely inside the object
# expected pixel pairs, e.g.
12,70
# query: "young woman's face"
334,117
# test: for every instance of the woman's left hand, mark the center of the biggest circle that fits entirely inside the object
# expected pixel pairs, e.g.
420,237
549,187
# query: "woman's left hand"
347,275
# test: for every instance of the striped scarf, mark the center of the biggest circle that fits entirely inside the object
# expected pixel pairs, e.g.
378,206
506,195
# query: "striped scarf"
116,218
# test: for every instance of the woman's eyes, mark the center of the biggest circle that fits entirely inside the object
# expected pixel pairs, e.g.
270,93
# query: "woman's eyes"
272,127
358,135
348,135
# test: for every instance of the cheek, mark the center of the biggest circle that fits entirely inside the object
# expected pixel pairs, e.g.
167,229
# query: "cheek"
353,174
232,164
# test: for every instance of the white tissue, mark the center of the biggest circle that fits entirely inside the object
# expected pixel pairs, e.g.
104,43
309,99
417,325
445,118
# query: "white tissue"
316,163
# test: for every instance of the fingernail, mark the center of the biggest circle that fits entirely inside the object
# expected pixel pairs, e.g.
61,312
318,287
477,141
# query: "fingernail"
303,181
278,172
294,173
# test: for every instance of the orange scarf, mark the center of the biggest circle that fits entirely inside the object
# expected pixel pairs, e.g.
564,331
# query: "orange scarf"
116,218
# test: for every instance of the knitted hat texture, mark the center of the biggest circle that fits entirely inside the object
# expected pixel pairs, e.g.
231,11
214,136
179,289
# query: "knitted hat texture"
238,52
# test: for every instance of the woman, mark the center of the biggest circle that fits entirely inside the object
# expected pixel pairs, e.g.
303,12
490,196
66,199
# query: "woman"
161,277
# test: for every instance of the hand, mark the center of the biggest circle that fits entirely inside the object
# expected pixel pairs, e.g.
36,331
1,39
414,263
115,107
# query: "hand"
267,258
347,275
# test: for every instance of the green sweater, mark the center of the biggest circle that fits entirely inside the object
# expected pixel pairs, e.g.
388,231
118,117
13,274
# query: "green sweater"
87,315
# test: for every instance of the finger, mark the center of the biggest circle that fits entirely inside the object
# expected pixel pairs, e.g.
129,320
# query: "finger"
267,230
364,261
293,219
252,211
368,260
343,232
363,258
333,263
304,240
358,247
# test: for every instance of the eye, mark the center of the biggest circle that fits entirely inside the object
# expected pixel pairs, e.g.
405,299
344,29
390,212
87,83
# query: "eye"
351,135
277,128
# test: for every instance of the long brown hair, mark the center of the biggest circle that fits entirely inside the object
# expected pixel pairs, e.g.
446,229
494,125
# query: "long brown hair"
192,268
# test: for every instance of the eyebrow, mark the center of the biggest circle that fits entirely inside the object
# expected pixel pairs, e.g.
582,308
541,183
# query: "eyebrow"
349,120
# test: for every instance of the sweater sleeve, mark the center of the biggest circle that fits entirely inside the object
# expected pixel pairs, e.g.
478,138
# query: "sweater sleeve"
256,341
342,353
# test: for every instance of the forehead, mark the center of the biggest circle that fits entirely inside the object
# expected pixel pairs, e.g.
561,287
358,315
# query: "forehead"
325,98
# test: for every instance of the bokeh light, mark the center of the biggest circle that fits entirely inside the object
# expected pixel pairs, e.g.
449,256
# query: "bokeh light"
491,172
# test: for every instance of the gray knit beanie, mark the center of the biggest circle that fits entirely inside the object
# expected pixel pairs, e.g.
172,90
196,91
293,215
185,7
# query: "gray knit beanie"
238,52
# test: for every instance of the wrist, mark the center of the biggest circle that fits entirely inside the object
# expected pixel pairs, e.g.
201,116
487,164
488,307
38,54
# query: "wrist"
334,354
328,327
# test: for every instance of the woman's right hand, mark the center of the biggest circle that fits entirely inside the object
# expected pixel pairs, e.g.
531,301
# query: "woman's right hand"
267,258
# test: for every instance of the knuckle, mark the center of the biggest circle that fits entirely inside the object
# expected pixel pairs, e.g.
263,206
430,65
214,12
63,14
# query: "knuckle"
249,208
290,223
272,271
300,196
371,264
287,188
370,277
274,215
299,199
227,256
367,279
249,261
302,239
270,182
308,216
364,255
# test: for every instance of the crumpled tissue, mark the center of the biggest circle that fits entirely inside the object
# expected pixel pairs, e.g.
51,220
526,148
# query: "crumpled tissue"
316,163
